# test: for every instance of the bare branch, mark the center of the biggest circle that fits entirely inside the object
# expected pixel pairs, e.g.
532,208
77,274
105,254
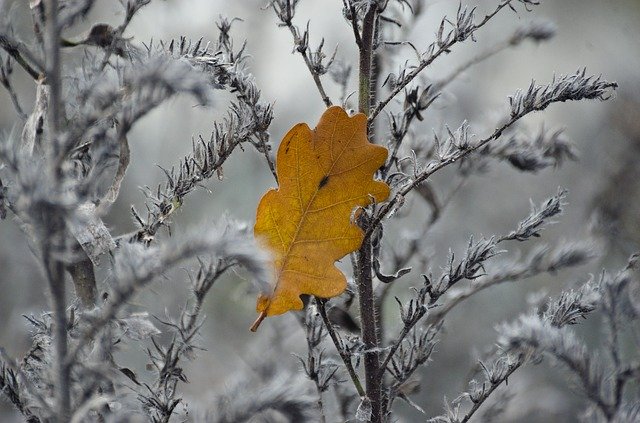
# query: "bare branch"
285,11
463,29
573,87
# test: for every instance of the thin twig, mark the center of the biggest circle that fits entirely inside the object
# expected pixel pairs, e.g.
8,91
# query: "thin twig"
343,354
5,81
119,31
302,48
445,48
323,418
394,347
489,391
523,273
497,48
263,139
387,207
437,88
22,56
353,18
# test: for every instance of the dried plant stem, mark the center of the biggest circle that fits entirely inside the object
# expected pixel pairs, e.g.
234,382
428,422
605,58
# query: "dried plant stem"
55,276
394,347
123,293
55,233
492,51
323,419
364,279
443,49
53,70
354,21
263,138
5,81
366,61
443,309
423,176
345,357
369,333
22,55
489,391
307,60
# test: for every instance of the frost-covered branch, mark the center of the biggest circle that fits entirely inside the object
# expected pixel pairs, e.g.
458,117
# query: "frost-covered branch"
462,28
285,11
459,145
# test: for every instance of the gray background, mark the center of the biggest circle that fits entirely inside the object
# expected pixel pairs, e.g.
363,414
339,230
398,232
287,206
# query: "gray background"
602,35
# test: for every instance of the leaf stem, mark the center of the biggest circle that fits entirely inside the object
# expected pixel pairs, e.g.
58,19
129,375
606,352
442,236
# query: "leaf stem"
256,324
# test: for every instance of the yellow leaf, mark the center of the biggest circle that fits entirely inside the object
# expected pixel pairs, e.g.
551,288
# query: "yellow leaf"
305,223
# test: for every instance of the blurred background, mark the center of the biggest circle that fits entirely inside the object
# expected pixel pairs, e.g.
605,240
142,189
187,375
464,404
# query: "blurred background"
603,185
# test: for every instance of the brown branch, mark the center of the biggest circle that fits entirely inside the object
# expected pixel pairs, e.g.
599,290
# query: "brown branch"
364,280
369,332
366,53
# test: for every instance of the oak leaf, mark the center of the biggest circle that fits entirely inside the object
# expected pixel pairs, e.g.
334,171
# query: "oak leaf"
306,223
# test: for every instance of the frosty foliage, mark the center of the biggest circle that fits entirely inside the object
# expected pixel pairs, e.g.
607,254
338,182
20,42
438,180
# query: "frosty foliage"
61,171
284,398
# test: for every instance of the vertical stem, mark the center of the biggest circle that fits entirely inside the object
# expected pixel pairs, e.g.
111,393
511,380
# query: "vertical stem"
54,239
366,49
369,333
53,69
364,277
323,419
55,276
373,79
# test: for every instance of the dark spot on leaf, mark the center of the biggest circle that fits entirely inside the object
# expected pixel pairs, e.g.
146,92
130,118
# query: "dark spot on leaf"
323,181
